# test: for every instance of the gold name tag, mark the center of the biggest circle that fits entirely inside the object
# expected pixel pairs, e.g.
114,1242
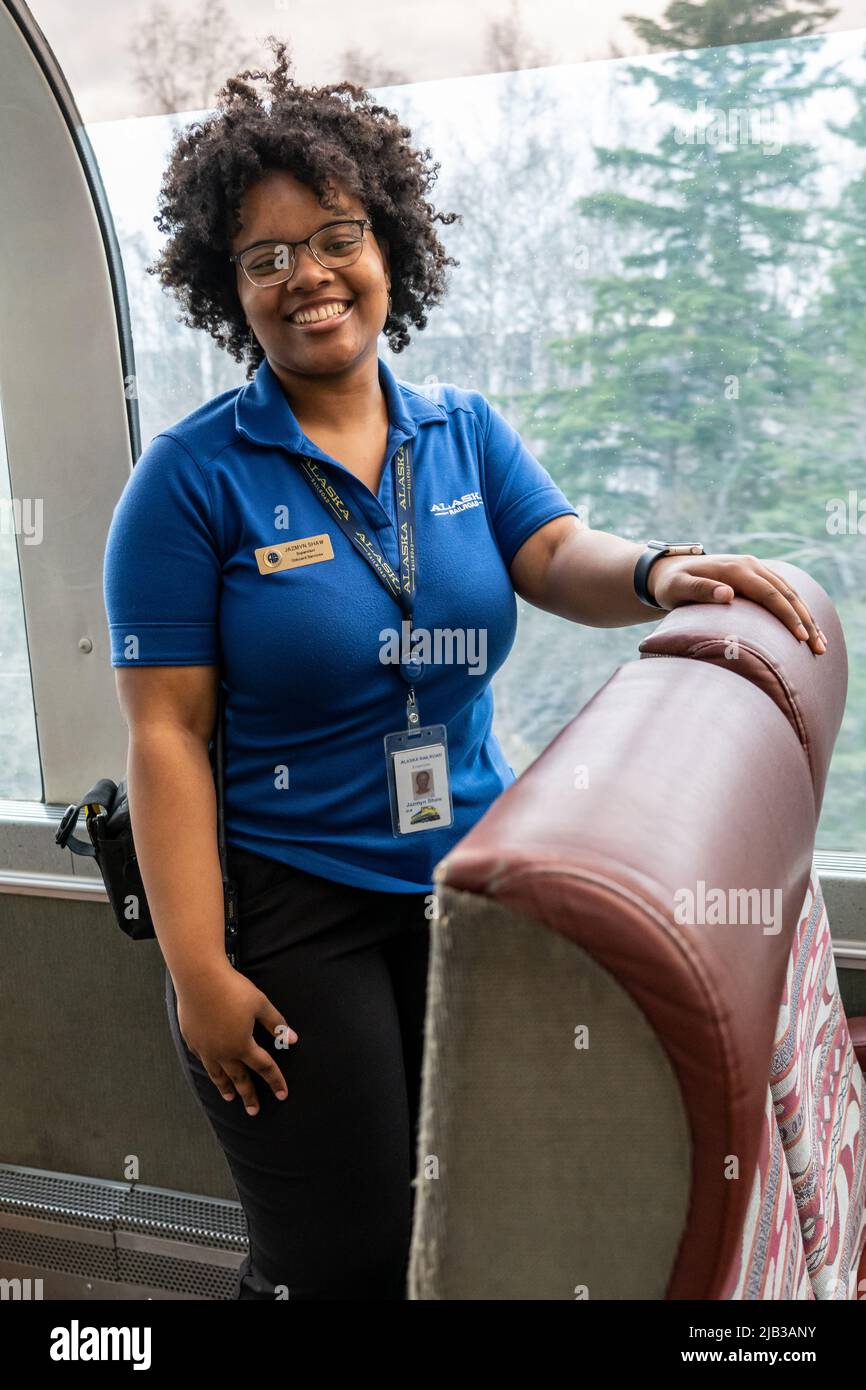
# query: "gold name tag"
290,555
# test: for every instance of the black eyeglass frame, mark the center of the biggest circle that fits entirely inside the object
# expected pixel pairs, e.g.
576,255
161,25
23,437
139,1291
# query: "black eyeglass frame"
361,222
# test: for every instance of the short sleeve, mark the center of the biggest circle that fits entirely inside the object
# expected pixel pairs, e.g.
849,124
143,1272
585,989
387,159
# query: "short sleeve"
162,572
519,493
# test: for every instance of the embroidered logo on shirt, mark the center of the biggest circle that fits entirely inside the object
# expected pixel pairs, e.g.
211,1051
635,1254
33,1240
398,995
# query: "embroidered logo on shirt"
290,555
459,504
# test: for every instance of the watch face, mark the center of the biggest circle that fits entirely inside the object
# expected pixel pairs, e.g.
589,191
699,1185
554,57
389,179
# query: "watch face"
678,547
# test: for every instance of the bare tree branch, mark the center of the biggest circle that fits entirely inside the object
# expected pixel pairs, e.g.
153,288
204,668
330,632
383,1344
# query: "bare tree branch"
509,47
369,70
180,62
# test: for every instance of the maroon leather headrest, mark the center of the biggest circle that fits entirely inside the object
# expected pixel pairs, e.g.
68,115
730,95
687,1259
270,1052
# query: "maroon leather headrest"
744,637
674,774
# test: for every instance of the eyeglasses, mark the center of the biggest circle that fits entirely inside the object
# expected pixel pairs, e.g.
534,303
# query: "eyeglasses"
273,262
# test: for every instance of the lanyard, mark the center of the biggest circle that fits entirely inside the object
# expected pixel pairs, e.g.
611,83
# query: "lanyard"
401,586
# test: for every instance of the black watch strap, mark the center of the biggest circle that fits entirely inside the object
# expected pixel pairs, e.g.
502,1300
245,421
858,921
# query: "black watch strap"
654,551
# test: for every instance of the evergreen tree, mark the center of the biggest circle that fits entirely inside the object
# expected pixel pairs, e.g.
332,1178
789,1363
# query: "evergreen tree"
841,311
822,504
712,23
691,351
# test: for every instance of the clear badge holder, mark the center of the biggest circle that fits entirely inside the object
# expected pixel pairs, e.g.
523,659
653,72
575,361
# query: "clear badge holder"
419,780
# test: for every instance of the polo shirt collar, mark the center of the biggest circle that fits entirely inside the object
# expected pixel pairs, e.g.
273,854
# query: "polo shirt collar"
263,414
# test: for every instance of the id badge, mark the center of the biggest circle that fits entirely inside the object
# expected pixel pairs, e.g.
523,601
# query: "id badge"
419,782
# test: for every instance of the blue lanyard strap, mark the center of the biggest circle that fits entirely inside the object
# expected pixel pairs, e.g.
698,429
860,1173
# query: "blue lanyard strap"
404,496
403,585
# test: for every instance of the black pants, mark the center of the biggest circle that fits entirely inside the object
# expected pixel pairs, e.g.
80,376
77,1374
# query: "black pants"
325,1176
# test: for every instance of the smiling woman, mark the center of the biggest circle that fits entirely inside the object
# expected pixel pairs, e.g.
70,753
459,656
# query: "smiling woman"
268,541
352,157
317,304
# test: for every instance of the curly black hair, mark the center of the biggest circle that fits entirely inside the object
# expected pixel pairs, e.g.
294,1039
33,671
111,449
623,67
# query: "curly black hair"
318,134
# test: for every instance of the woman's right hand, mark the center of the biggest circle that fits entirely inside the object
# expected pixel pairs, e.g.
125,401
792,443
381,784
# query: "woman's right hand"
216,1013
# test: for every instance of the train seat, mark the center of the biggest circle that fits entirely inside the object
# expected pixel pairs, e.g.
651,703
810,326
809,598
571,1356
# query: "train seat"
818,1057
639,1081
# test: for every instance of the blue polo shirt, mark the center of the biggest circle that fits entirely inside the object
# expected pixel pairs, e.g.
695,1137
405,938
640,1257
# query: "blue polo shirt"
308,698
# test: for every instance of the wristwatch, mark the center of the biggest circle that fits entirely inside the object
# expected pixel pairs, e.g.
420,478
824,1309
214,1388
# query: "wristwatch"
654,551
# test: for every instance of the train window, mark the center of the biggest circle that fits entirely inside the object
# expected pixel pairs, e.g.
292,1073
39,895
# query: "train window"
658,284
20,524
176,368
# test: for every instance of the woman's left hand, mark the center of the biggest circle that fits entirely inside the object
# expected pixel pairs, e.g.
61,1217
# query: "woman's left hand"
677,579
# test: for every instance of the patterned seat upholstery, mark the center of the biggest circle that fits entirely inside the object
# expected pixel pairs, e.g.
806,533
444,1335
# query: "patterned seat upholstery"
621,1100
772,1256
818,1094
